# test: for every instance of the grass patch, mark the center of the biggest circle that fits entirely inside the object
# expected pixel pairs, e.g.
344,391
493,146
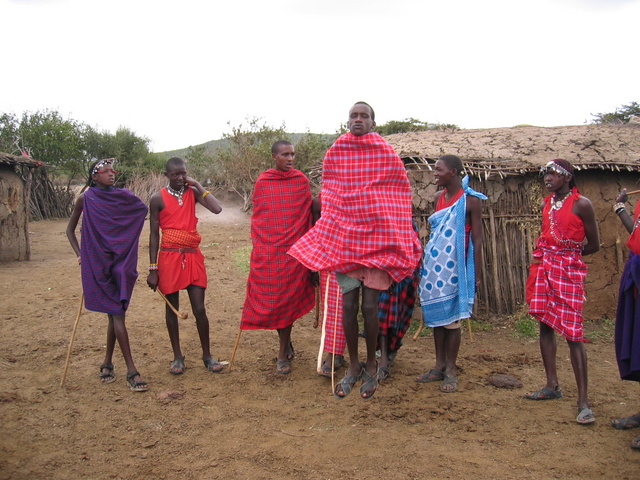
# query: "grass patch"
526,326
241,257
415,325
602,329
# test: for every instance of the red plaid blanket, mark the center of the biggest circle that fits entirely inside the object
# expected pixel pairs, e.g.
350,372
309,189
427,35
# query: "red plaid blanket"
366,211
555,288
279,288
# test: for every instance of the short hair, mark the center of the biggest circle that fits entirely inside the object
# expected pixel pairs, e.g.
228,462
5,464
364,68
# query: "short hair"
174,162
276,146
373,114
452,162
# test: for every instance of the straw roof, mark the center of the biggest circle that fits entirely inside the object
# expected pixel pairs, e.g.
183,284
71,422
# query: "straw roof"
8,159
517,150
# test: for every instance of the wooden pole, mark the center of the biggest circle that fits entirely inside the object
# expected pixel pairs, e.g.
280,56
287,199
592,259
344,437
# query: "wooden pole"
510,277
173,309
633,192
73,334
324,325
494,262
316,321
235,347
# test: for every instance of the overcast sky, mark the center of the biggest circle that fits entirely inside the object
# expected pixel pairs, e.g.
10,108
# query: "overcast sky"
177,71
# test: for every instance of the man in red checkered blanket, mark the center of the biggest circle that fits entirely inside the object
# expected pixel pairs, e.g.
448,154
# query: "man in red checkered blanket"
365,234
279,288
555,287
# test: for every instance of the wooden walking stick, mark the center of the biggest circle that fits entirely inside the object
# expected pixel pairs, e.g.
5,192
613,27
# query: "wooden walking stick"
73,334
181,315
418,332
324,327
470,331
317,319
633,192
235,347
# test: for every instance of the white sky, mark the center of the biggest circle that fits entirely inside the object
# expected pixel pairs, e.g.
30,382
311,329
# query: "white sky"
178,71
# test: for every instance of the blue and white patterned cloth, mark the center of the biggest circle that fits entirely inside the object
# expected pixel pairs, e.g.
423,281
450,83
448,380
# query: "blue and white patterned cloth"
448,280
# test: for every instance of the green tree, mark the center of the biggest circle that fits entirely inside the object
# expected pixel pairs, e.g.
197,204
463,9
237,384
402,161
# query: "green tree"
411,125
621,114
46,136
248,154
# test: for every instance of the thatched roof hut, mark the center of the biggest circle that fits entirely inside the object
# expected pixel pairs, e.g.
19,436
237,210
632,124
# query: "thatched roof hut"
15,179
504,164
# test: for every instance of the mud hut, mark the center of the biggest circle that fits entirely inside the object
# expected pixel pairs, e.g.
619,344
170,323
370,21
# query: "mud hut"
504,163
15,185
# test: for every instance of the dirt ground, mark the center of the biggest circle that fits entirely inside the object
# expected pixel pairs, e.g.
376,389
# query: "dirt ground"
249,423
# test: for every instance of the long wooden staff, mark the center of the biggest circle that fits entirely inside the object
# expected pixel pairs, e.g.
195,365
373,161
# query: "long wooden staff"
181,315
73,334
470,331
324,326
633,192
235,347
316,321
419,331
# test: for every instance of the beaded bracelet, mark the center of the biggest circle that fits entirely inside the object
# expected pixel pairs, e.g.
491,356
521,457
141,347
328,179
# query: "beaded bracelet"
153,267
207,192
618,208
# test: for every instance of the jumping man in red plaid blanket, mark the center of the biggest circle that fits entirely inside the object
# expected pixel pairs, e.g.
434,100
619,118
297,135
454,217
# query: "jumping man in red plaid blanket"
555,288
364,235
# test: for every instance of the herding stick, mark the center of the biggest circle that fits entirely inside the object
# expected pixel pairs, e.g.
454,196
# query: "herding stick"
73,334
633,193
324,327
469,326
181,315
235,347
419,331
317,319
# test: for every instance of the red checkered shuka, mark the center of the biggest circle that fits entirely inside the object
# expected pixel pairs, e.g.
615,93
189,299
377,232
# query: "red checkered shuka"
555,288
279,288
366,211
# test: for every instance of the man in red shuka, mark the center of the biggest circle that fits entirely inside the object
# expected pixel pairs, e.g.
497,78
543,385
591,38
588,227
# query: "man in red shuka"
180,263
279,288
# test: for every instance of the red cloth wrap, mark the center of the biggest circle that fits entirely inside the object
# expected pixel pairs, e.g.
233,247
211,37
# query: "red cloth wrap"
279,288
366,211
634,239
555,287
178,270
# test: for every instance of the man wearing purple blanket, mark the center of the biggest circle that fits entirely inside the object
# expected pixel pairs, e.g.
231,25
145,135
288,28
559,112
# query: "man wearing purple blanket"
112,219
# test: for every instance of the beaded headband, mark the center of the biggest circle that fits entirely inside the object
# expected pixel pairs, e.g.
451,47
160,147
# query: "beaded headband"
102,163
553,167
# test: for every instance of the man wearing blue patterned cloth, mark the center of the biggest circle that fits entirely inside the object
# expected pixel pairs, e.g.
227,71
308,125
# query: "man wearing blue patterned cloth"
451,267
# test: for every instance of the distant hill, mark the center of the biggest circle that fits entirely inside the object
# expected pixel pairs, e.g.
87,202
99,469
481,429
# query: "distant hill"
213,145
210,147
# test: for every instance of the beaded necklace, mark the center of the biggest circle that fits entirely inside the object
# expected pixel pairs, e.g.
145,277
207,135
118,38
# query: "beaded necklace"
557,205
176,193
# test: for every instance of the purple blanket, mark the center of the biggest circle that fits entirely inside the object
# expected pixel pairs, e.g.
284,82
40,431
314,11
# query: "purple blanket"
112,220
628,321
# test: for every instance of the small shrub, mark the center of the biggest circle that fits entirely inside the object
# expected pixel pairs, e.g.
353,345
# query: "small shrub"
526,326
